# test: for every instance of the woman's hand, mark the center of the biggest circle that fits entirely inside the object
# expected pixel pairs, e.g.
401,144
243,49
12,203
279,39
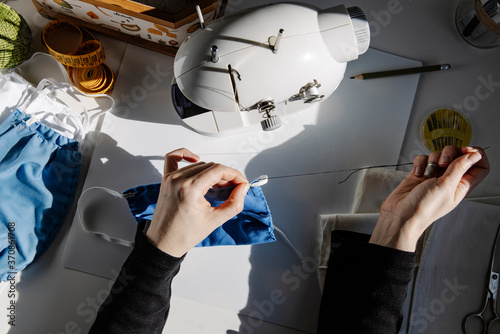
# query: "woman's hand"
419,201
183,217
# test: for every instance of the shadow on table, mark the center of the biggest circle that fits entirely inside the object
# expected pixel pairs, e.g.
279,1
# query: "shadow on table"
56,309
283,282
284,289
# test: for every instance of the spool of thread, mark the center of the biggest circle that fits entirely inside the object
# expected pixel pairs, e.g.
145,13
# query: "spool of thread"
15,37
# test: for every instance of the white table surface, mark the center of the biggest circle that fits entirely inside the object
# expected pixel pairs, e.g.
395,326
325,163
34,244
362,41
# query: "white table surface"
52,299
130,153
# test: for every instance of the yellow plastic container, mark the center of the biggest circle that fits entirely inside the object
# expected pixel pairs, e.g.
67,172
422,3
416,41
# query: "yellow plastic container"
445,126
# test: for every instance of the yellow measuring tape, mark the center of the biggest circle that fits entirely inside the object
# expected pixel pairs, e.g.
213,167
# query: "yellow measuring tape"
81,54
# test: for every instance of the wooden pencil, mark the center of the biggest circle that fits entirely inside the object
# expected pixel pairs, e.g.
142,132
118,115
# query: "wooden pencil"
404,71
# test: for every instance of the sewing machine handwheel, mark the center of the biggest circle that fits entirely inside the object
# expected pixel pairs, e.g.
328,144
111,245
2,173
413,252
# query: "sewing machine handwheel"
271,123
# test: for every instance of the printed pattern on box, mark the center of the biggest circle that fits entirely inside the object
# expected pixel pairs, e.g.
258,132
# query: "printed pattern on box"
122,23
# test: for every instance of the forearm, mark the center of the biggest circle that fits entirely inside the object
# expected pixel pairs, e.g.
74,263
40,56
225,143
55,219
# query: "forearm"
396,232
365,286
139,300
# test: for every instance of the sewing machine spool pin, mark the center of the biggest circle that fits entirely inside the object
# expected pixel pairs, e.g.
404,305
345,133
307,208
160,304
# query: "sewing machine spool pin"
200,17
274,41
215,54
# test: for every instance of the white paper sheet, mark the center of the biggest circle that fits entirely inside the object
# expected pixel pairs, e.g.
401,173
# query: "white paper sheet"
362,123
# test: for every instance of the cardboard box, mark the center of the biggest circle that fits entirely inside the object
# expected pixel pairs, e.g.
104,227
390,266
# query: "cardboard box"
131,21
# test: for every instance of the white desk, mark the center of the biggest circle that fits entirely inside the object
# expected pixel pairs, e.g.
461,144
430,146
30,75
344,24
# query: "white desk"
53,299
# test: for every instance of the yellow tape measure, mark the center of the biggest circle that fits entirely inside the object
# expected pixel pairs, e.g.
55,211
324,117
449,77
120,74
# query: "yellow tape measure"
82,55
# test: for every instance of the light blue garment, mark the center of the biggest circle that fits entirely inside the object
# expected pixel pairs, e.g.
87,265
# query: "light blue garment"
39,170
254,225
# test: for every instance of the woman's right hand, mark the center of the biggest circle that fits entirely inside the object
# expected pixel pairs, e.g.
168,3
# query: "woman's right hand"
183,217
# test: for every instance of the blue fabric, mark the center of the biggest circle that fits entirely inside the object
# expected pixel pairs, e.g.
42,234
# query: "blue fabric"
39,171
254,225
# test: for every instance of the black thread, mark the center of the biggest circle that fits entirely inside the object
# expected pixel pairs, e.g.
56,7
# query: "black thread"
352,170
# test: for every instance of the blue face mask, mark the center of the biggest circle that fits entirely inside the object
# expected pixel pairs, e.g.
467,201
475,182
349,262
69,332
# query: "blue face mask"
39,170
253,225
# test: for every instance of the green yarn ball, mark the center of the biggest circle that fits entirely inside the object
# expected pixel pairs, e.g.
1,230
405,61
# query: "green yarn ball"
15,37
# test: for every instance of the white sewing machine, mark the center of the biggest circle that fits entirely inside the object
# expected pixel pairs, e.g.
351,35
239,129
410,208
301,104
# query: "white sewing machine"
259,64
